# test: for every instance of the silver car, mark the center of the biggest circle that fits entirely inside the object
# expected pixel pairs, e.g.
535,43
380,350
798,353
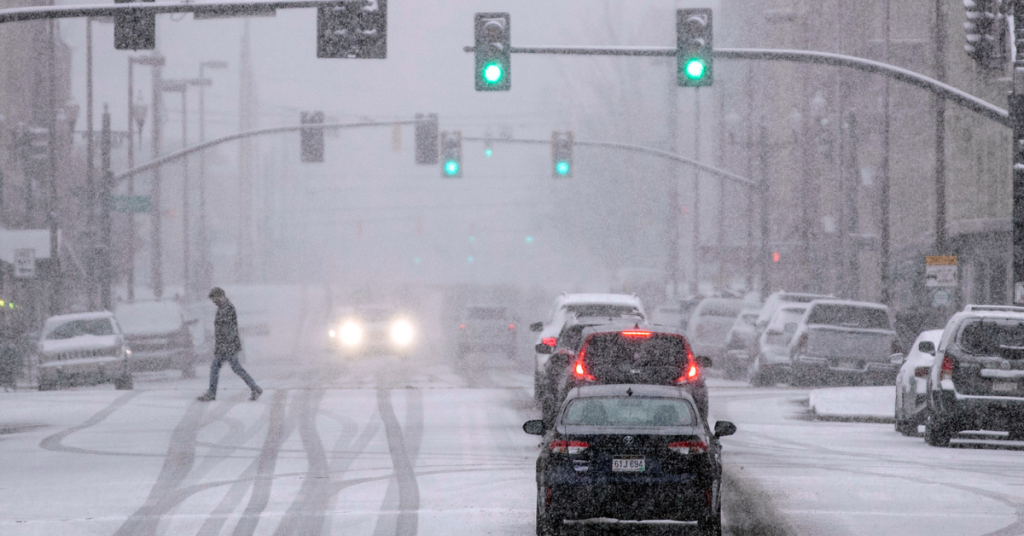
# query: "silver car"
912,383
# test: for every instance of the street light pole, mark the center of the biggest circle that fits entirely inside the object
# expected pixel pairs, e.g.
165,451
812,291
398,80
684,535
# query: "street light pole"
205,271
90,191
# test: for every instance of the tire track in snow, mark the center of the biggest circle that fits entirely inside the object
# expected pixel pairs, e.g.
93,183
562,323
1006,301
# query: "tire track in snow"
55,442
407,521
277,431
307,513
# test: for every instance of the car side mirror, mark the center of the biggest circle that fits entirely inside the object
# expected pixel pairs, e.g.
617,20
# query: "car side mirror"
704,361
790,327
534,427
724,428
542,348
537,326
927,347
896,359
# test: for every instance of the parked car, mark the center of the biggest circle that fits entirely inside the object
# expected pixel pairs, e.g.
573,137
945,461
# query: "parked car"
372,329
779,299
912,382
570,305
977,378
630,353
623,456
773,362
710,323
488,328
668,315
83,348
845,342
740,344
159,335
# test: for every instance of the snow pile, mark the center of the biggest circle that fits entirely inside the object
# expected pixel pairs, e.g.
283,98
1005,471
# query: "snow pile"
854,403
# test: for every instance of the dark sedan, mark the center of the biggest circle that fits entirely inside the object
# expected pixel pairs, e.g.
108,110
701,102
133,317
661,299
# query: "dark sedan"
629,456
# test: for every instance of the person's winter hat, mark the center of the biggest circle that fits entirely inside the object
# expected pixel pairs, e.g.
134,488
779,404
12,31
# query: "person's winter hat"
217,292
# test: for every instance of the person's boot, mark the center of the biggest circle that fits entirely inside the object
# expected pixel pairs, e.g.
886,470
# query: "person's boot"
207,397
255,394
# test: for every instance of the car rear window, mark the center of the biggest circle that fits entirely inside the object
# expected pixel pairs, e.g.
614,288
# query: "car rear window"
988,337
77,328
601,309
849,316
487,313
628,412
656,349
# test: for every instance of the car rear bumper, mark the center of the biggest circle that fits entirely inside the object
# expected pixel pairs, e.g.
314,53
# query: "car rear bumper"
669,502
852,367
978,412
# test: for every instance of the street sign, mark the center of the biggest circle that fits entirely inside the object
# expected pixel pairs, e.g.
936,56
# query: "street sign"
25,263
130,204
940,271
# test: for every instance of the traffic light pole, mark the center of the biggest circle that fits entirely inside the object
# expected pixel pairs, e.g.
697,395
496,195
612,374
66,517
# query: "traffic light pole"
1016,105
210,9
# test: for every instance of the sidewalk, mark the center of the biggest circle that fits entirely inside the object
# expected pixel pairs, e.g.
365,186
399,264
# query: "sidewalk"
861,404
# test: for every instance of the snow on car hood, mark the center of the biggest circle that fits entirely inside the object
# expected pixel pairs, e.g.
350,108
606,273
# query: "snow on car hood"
82,342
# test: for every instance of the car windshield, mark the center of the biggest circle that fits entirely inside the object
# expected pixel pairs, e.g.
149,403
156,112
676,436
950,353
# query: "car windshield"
78,328
849,316
992,337
628,412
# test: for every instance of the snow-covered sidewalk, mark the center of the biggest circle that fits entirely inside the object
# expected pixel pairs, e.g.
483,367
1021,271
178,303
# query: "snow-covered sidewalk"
868,404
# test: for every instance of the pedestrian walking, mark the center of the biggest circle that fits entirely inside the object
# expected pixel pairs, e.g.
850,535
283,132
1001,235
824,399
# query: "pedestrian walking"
227,345
10,359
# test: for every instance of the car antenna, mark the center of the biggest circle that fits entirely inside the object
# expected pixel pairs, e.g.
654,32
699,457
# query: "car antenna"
629,391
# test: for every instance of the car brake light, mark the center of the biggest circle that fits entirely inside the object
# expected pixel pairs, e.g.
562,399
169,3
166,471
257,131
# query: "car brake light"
922,372
549,341
511,326
562,446
580,370
690,370
636,334
462,326
688,447
947,367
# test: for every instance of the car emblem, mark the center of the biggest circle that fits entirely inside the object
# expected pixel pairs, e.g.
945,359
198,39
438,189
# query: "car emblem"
1005,365
628,440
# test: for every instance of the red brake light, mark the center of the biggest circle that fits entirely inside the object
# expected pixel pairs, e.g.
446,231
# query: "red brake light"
922,372
462,326
690,370
580,370
947,367
562,446
688,447
636,334
511,326
549,341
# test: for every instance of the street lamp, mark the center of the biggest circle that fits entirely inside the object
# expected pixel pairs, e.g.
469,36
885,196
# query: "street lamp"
205,269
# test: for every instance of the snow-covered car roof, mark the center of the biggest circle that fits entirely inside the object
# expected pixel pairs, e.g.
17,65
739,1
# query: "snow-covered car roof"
60,320
149,317
609,298
852,303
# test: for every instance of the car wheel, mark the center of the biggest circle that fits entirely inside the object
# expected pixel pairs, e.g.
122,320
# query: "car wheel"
937,432
906,428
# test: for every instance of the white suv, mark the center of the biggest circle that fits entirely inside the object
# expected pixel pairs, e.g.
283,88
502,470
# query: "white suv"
82,348
576,305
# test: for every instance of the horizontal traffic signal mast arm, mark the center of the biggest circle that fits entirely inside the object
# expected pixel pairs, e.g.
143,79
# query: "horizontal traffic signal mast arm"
19,14
250,134
946,91
628,147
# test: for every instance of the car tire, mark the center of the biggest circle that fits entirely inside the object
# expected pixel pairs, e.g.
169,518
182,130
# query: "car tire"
937,432
906,428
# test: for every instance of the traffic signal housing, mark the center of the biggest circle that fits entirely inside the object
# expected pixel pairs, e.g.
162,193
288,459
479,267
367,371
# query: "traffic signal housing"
312,138
982,29
561,154
451,154
134,29
694,66
493,40
426,139
353,29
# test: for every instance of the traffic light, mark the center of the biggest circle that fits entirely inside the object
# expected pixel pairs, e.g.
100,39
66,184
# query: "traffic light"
312,137
561,154
135,29
694,67
451,154
353,29
493,52
981,28
426,139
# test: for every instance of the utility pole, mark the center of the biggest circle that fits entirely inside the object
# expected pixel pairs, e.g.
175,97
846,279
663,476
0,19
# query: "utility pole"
90,191
764,193
854,213
673,196
940,129
52,208
696,192
205,268
106,188
886,297
136,114
155,207
1016,110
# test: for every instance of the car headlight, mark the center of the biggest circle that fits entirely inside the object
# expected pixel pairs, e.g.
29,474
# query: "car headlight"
332,333
351,333
401,332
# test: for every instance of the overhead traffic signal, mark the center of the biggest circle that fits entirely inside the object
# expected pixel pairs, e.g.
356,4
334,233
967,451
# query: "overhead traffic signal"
982,28
353,29
426,139
561,154
451,154
134,29
312,138
694,67
493,40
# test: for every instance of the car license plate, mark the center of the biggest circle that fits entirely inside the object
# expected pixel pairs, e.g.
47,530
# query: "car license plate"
628,465
1004,387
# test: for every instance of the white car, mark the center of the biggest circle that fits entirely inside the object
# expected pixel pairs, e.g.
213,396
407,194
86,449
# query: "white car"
575,305
778,300
82,348
912,382
772,362
710,324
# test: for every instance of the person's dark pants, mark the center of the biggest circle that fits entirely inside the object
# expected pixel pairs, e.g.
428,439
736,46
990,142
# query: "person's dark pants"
232,359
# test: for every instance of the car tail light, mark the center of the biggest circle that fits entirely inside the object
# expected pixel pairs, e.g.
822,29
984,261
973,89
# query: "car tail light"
562,446
580,370
693,446
549,341
511,326
922,372
636,334
690,370
462,326
947,368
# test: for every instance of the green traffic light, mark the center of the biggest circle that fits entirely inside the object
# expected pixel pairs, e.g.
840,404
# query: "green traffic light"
451,167
562,168
493,73
694,69
488,152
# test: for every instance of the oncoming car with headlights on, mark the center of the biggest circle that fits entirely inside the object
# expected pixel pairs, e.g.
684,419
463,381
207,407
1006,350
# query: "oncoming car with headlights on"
372,330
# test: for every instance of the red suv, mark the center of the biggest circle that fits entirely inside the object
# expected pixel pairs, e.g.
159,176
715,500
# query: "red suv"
623,354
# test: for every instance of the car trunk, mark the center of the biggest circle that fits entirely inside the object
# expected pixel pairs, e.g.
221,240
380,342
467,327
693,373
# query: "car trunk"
614,358
849,347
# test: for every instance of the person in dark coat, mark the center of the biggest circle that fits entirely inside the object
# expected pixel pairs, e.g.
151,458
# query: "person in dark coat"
227,345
